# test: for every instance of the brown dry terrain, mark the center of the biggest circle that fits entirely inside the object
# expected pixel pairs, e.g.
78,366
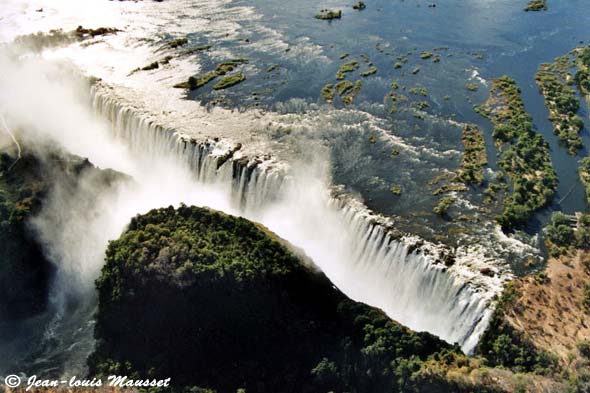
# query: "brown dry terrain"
550,309
472,373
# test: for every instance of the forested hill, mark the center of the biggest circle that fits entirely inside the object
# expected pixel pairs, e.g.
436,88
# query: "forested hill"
218,302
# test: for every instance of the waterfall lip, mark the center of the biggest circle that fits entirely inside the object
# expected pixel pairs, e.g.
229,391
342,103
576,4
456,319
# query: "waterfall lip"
240,151
243,164
469,259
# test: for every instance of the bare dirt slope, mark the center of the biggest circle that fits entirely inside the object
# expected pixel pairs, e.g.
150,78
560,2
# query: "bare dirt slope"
552,309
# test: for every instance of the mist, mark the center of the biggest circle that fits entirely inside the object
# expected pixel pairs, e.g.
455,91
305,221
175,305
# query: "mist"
48,107
47,104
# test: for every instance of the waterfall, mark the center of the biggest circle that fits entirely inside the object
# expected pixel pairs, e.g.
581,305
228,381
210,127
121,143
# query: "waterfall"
402,275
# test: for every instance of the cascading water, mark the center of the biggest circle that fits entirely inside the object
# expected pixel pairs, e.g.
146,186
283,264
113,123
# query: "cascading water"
408,281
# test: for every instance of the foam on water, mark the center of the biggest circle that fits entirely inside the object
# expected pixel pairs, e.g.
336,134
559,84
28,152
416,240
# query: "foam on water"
411,284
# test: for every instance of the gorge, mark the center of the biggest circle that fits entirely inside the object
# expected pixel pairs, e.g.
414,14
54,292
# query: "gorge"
410,193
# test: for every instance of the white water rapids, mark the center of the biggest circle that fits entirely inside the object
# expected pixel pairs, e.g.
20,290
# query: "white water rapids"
346,241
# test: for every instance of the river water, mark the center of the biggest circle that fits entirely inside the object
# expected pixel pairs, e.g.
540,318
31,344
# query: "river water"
278,110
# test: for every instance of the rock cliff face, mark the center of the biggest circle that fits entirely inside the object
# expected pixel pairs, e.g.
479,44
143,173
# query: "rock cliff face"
24,271
217,301
25,184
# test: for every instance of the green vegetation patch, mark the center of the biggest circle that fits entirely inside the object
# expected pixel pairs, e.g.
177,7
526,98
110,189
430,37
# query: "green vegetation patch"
55,37
396,99
229,81
195,82
526,160
176,43
329,14
327,93
443,205
419,90
345,68
82,32
208,299
474,157
359,5
582,77
396,189
536,5
565,232
426,55
554,84
352,93
343,87
370,71
450,188
196,49
584,173
420,105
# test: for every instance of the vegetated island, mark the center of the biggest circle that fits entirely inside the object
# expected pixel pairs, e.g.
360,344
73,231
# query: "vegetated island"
195,82
326,14
470,173
345,68
327,93
230,80
536,5
443,205
584,174
582,77
220,304
372,70
347,90
359,5
526,159
55,37
554,81
474,157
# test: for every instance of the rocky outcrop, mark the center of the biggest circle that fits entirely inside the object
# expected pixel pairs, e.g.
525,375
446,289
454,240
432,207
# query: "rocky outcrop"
25,184
24,271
